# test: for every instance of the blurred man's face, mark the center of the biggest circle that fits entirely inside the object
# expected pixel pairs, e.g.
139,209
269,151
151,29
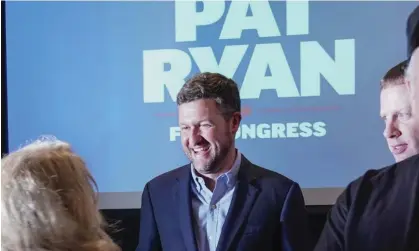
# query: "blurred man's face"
400,131
412,76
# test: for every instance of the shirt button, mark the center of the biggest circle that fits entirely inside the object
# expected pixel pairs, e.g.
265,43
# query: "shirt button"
214,206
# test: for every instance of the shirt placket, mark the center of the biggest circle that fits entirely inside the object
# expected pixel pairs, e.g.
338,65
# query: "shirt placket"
219,192
213,227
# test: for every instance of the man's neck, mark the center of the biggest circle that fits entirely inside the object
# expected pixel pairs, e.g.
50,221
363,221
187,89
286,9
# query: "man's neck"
226,165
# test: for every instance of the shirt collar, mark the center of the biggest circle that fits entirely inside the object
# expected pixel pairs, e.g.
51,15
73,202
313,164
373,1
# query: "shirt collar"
229,178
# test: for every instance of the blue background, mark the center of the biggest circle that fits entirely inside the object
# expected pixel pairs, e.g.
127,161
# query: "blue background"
74,70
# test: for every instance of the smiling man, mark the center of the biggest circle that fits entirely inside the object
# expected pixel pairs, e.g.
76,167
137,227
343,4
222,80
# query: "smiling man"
395,109
220,201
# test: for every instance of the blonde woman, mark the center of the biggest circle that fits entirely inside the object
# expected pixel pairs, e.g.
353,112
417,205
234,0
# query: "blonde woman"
49,201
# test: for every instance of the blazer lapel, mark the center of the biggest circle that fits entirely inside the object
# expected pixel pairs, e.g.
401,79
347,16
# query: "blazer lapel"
183,199
241,205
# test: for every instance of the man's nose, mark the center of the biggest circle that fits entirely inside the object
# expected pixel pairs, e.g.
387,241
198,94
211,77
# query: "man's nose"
195,136
391,131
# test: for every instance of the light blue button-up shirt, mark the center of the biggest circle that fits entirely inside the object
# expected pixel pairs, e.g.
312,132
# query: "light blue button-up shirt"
210,208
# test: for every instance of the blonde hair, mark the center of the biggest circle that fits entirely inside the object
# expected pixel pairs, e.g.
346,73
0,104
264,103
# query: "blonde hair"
49,201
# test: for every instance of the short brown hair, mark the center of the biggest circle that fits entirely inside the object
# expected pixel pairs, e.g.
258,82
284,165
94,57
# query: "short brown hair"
212,86
394,76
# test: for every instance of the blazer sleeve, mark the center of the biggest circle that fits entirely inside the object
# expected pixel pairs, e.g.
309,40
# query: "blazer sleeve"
332,237
149,238
295,233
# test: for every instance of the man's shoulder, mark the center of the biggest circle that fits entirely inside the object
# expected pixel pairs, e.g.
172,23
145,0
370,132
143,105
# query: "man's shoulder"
277,186
375,180
270,175
170,177
393,171
269,178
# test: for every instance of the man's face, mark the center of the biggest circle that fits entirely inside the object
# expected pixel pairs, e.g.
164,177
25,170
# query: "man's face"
400,131
206,135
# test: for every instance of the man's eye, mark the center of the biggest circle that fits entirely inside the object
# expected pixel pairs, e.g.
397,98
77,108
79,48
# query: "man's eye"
206,125
404,116
184,128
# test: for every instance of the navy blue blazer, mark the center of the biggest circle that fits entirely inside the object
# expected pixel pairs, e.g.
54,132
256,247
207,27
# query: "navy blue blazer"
267,213
377,212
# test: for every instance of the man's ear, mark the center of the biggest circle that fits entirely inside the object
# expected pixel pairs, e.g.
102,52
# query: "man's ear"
235,121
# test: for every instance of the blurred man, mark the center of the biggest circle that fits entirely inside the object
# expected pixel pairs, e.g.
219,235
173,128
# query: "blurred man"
412,31
412,76
380,210
220,201
412,73
400,131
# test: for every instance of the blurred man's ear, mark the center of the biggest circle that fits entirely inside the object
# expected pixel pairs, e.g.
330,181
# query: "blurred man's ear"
235,121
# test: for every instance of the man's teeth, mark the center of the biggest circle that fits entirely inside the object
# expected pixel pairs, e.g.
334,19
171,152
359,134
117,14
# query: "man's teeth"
201,149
